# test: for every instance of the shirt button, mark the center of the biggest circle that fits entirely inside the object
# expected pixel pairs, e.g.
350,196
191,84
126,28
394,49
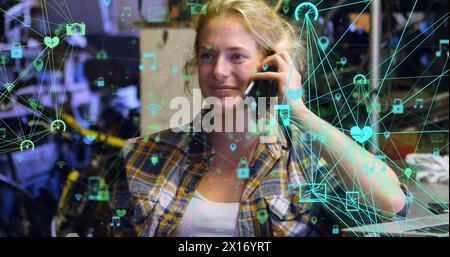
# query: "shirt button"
171,221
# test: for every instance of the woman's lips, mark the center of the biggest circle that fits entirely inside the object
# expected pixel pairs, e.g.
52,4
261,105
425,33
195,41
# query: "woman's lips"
225,91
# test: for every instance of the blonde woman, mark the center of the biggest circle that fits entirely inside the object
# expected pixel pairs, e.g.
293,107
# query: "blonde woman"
184,184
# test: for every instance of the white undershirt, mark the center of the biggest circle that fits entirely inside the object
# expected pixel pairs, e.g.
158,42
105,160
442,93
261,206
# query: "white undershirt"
204,218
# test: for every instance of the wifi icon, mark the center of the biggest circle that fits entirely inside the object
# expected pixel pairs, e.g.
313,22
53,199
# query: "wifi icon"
60,164
153,109
78,197
19,158
9,87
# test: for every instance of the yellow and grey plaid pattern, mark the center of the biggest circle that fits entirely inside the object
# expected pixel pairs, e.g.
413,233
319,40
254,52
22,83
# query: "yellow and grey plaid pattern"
273,202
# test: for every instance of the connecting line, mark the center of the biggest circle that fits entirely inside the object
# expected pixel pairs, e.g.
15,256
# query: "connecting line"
19,21
416,94
429,110
413,40
343,5
335,77
344,34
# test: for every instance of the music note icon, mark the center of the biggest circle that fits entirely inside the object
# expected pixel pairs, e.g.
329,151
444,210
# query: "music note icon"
3,132
441,43
152,56
115,221
126,11
419,102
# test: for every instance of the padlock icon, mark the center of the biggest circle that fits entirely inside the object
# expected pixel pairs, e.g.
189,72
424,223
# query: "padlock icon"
16,51
397,107
243,172
100,82
436,152
335,230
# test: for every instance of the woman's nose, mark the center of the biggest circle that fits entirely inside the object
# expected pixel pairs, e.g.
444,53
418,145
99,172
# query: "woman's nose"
221,68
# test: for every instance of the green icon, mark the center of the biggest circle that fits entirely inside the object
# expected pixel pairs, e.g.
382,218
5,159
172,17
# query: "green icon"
115,221
100,82
352,201
361,135
76,29
436,152
38,64
307,5
294,94
97,189
338,97
243,172
149,56
233,147
285,113
187,78
174,69
60,164
387,134
262,216
57,124
324,42
335,230
9,87
121,212
107,2
2,59
154,159
312,192
51,42
78,197
397,107
360,80
418,103
26,144
265,66
59,29
16,51
153,109
101,55
314,220
286,9
408,172
198,9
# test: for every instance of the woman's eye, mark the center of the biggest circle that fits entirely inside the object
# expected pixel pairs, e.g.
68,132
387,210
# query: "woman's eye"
237,57
206,56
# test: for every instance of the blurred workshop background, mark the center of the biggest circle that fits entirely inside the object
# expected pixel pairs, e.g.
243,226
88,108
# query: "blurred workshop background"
78,77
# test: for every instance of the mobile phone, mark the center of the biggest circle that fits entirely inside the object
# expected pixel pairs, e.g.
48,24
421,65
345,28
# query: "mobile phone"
263,88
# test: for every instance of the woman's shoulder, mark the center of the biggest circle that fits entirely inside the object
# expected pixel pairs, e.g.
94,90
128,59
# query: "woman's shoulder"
165,140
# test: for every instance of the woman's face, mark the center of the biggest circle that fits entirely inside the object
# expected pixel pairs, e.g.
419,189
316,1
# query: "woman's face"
227,56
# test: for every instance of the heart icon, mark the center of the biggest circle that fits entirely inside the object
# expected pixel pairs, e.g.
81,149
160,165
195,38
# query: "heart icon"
361,135
294,94
51,41
121,212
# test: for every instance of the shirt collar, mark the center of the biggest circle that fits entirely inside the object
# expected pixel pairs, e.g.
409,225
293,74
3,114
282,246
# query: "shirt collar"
198,146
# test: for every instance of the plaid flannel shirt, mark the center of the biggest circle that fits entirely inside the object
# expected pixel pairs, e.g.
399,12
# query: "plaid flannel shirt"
290,191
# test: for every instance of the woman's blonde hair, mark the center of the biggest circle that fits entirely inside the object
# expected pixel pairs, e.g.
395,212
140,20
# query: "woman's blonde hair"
271,30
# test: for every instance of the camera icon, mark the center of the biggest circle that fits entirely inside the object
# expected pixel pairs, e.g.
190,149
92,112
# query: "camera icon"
198,9
76,29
